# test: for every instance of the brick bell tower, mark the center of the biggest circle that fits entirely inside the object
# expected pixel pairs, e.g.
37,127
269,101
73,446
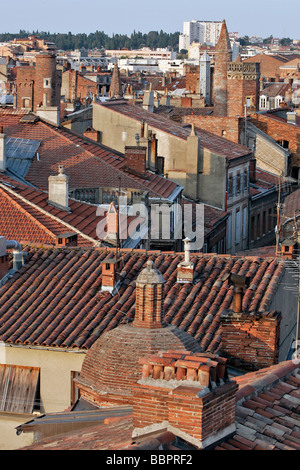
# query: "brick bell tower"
223,55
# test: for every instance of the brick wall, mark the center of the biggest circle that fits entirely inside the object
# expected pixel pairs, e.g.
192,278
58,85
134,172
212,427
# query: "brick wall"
280,130
223,55
190,394
25,84
228,127
40,84
150,405
149,306
202,417
269,66
47,82
238,92
86,87
192,79
251,341
135,158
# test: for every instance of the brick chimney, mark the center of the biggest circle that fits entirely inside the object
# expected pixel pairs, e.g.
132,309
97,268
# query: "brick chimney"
58,192
66,239
185,269
149,298
92,134
2,150
240,283
289,249
250,340
189,394
109,274
135,159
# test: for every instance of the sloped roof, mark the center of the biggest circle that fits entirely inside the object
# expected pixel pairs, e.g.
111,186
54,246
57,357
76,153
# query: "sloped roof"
87,163
55,299
29,217
210,141
275,89
267,410
267,418
291,206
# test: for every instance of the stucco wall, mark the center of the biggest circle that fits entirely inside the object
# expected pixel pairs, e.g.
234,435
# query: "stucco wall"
285,302
212,179
55,383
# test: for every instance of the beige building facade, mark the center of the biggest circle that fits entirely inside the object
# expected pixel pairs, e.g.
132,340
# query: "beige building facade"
55,390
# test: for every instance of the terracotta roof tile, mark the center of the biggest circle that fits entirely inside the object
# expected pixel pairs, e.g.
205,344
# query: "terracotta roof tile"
28,217
56,300
87,164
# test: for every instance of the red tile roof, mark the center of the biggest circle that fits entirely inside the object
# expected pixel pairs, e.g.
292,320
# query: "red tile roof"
267,418
267,410
55,299
291,206
29,218
87,163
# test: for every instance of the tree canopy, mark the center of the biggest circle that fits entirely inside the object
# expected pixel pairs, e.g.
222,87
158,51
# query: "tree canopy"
98,39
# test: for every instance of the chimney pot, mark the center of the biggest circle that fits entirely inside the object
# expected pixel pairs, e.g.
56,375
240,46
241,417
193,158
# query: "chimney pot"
239,282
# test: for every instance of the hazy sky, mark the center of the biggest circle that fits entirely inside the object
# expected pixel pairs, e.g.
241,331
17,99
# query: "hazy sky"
252,17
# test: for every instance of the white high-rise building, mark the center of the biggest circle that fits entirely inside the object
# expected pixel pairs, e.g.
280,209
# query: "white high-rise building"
205,77
204,32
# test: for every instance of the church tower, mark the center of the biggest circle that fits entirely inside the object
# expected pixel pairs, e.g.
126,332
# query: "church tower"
223,55
115,90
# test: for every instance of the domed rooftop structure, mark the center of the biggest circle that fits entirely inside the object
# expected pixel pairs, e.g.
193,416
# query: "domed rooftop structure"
111,368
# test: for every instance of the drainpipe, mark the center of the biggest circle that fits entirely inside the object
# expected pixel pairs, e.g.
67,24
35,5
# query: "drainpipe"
18,259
